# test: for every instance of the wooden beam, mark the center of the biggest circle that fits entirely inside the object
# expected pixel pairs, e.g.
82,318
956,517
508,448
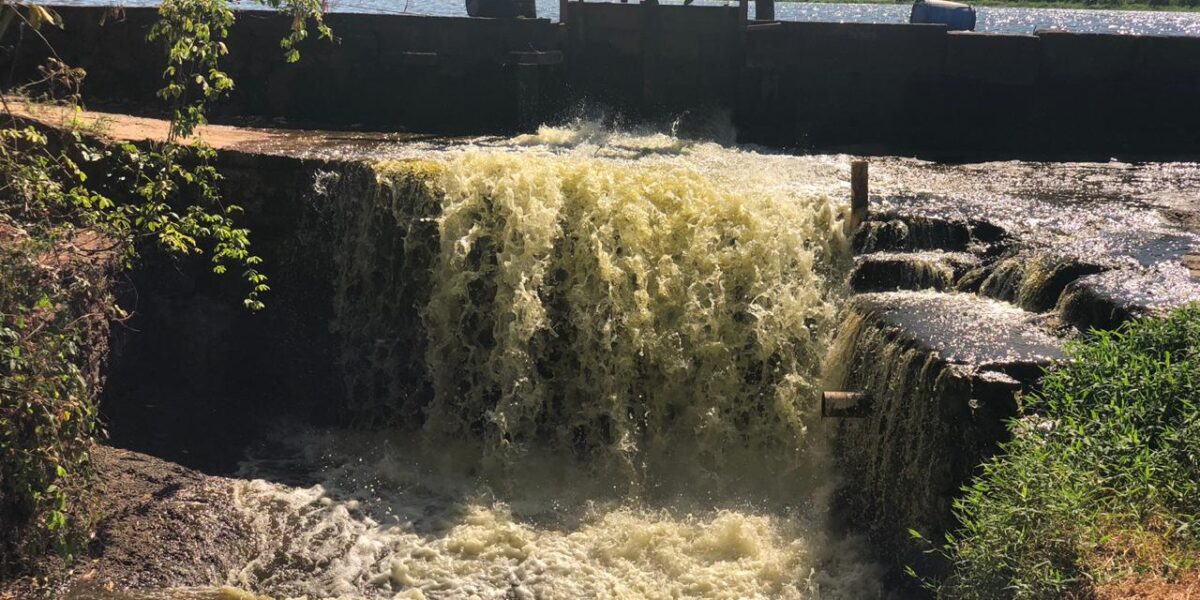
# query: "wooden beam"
859,193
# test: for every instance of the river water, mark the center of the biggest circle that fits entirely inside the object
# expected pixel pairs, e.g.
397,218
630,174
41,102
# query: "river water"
991,20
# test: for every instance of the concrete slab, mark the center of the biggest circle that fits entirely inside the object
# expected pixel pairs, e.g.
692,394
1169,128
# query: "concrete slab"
944,373
963,329
1105,300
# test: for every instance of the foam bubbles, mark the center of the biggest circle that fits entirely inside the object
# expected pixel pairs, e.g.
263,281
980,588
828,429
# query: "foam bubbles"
392,520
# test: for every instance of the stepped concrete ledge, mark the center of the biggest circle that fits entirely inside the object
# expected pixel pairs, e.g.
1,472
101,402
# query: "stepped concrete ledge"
1094,264
918,230
963,329
1105,300
931,269
1147,271
943,372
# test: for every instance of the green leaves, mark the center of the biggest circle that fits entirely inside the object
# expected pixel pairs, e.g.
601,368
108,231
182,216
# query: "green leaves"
193,34
39,14
1112,489
165,196
47,408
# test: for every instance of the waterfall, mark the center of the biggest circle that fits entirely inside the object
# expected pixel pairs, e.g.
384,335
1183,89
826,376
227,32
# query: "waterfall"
615,309
591,361
942,372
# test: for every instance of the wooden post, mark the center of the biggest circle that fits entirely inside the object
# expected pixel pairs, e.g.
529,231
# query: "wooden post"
764,10
562,11
859,192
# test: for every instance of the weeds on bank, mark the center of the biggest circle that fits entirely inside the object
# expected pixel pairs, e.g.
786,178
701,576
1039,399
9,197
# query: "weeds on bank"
1101,479
71,210
53,325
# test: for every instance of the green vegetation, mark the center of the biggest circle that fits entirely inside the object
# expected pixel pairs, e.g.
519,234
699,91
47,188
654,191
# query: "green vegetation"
71,211
53,324
1101,481
1153,5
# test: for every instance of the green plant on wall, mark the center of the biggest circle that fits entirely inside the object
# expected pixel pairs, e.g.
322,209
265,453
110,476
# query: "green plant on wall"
71,209
1101,481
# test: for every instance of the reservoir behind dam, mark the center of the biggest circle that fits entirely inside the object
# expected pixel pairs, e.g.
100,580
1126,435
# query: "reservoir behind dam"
990,19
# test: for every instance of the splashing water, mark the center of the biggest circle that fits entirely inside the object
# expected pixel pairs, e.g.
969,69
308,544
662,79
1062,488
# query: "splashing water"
597,356
390,520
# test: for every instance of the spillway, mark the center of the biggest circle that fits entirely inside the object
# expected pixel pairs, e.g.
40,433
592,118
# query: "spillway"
587,363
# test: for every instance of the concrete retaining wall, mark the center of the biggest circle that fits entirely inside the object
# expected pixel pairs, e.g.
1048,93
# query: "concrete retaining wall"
651,59
921,90
450,75
868,88
195,377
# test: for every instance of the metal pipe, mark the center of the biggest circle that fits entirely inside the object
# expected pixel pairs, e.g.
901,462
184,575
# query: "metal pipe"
836,404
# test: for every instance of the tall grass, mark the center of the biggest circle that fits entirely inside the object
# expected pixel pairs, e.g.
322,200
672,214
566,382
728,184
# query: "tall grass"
1101,479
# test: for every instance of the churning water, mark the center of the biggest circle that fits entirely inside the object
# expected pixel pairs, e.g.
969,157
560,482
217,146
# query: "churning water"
390,519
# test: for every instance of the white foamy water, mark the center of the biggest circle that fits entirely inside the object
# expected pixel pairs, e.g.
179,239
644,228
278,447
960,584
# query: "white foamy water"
388,519
408,514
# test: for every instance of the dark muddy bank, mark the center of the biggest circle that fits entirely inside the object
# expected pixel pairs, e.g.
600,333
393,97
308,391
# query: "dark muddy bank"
158,525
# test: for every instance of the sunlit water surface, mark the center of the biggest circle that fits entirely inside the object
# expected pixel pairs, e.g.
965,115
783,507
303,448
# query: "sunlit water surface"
991,20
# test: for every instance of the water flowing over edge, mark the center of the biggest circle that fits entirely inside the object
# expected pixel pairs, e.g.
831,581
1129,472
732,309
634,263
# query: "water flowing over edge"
611,344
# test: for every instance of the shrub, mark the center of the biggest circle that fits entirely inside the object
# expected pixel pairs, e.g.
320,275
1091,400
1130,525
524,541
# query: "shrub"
60,192
53,332
1101,479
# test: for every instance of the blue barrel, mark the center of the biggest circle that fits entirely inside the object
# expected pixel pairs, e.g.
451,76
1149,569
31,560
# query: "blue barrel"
956,16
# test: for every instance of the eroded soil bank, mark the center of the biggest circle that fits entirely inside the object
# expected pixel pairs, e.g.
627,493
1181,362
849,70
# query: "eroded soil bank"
159,525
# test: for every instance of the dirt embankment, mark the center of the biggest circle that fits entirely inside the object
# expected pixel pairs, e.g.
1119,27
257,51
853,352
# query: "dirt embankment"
1185,587
159,525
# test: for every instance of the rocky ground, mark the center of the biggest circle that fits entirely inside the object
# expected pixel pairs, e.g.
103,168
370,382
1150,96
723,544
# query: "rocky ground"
160,525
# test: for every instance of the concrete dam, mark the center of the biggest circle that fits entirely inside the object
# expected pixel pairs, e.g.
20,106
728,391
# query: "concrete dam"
816,87
554,305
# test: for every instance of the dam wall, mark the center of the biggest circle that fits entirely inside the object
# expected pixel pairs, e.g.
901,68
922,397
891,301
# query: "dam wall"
956,309
919,89
190,356
655,59
447,75
864,88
